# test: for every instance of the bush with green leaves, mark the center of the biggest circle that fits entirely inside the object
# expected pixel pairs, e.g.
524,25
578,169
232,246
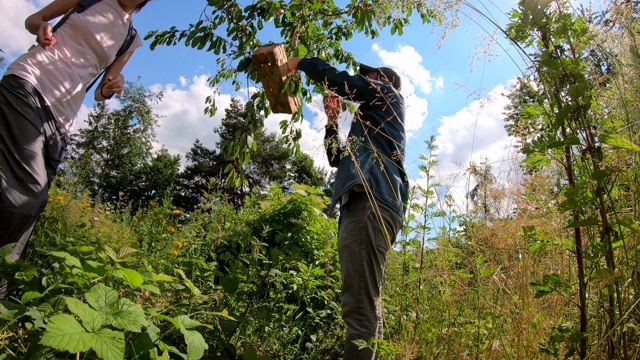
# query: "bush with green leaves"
216,284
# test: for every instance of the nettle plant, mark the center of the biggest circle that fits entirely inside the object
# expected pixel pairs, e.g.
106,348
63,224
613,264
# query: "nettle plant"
85,301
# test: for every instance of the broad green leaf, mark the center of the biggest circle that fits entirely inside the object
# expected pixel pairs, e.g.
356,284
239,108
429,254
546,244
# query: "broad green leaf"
91,319
126,252
133,278
30,295
196,345
110,253
64,333
618,141
69,260
102,298
128,316
109,344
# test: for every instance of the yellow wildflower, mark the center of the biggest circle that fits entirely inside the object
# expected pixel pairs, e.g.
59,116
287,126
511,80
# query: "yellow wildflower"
177,212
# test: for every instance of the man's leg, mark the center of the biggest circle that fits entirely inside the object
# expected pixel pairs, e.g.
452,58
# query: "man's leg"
362,248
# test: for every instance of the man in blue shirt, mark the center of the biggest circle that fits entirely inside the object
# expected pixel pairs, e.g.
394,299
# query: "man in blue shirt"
371,187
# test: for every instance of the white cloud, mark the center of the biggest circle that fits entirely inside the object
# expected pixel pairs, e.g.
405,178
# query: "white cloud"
473,134
182,114
408,63
15,39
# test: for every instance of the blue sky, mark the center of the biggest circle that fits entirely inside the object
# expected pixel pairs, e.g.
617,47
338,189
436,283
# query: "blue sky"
454,91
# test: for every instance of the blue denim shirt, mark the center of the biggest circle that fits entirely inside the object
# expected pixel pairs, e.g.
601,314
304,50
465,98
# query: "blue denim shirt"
374,153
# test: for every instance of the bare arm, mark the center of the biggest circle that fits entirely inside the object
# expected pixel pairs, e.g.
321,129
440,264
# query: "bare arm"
112,81
38,23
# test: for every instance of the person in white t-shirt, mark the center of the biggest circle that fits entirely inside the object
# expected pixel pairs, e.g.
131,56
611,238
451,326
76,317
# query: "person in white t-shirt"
41,93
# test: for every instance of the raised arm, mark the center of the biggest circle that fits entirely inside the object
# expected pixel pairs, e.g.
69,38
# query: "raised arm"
38,23
356,87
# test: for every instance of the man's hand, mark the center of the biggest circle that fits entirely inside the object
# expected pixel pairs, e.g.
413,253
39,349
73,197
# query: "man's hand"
45,37
292,64
332,107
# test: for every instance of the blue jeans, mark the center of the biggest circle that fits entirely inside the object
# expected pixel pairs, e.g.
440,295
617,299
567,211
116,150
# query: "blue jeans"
366,232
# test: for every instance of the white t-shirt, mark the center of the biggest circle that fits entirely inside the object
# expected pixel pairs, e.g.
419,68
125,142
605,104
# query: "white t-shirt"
85,44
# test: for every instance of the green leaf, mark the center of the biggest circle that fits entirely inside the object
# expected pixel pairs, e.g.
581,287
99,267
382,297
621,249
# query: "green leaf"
91,319
133,278
618,141
629,223
162,277
230,284
109,344
250,354
225,314
128,316
8,315
102,298
244,64
6,250
602,174
154,289
64,333
173,321
126,252
69,260
302,50
584,222
30,295
194,290
196,345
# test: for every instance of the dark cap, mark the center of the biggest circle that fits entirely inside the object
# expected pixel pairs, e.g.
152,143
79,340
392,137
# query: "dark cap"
391,75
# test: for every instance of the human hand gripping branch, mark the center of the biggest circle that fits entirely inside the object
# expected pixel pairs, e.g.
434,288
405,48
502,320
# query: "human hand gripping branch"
332,107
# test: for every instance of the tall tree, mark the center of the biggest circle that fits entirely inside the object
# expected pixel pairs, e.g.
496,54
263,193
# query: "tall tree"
110,152
156,179
203,173
210,170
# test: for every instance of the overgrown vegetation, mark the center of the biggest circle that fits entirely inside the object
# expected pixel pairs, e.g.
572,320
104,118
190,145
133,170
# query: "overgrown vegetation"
207,265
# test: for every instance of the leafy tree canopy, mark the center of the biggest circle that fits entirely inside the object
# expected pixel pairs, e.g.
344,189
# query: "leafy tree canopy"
233,30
